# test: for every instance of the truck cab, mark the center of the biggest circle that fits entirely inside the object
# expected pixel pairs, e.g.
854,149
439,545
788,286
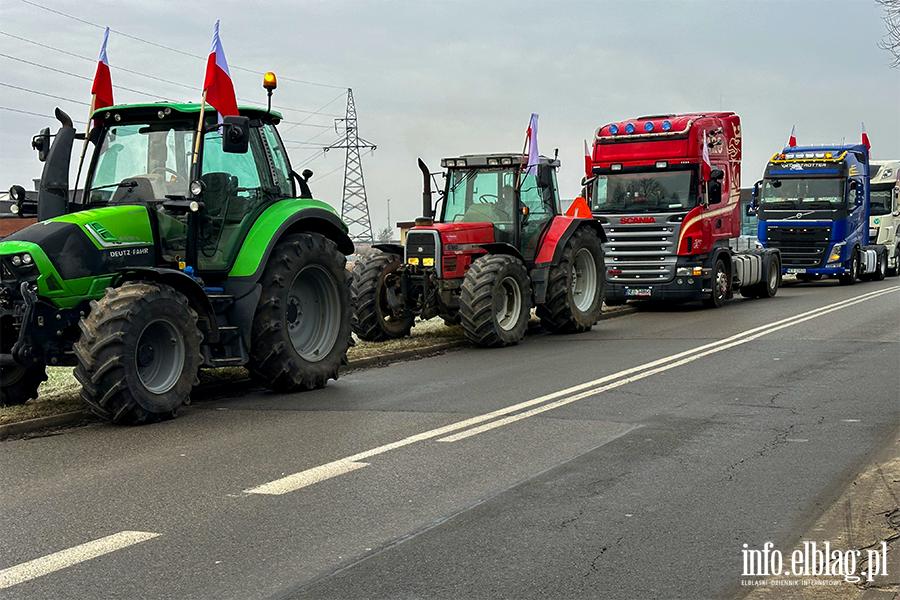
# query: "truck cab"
884,217
814,205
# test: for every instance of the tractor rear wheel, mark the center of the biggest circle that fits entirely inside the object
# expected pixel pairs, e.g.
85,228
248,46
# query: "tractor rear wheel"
19,384
301,330
138,354
373,320
495,301
575,286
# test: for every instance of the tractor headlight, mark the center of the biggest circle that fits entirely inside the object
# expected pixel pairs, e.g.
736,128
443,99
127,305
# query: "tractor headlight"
413,261
26,259
196,187
428,262
16,260
835,255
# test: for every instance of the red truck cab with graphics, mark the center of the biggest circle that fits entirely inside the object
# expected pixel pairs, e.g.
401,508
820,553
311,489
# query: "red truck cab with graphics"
669,214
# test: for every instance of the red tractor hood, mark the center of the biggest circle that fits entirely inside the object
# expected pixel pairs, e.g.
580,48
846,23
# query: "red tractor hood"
462,233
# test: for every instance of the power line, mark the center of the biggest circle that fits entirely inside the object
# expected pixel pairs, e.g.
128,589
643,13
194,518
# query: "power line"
148,76
25,112
15,87
123,34
339,96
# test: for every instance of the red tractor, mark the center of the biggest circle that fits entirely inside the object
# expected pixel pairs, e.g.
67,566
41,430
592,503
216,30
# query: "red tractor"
499,247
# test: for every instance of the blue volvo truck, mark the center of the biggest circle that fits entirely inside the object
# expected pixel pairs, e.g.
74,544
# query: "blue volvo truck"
813,204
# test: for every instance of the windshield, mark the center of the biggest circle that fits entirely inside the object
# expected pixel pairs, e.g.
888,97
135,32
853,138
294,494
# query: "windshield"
152,161
480,196
881,198
645,192
793,194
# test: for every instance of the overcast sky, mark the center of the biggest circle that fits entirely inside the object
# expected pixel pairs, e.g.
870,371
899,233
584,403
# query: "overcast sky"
435,79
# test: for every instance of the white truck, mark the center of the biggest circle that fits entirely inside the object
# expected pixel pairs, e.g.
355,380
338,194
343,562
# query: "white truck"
884,218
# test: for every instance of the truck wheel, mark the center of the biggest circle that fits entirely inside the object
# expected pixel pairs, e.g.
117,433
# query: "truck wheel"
881,267
301,330
575,286
895,270
373,319
138,354
19,384
720,282
852,277
495,301
768,287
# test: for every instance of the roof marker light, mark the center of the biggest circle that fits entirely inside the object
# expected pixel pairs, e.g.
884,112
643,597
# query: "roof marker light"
666,125
828,155
629,128
648,126
613,129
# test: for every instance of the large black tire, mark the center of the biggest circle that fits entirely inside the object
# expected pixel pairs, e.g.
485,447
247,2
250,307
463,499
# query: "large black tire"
20,384
895,270
575,286
880,266
495,301
853,276
138,354
372,318
301,330
719,283
771,281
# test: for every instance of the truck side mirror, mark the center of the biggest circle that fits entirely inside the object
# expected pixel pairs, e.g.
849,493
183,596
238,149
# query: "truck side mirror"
716,174
714,191
41,143
236,135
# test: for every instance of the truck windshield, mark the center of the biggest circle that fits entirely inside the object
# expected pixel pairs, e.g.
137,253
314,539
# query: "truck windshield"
155,162
645,192
793,194
881,198
480,196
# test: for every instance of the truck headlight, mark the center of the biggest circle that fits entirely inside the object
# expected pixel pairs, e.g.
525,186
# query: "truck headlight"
835,255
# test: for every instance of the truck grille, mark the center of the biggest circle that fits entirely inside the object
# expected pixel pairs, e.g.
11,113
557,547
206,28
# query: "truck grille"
801,247
641,253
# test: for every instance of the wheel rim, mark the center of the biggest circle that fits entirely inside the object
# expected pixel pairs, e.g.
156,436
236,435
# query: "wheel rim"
313,313
507,313
773,276
854,267
160,356
721,283
11,374
584,280
883,266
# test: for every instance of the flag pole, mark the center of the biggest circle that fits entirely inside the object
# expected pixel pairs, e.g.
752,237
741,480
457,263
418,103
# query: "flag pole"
87,134
199,134
524,164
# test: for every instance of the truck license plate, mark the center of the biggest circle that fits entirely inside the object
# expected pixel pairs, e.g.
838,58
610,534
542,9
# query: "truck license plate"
796,270
637,291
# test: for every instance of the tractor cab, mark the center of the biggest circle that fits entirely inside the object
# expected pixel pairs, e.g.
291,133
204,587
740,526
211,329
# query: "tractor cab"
495,190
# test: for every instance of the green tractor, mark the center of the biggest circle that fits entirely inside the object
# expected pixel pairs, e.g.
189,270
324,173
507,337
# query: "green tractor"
181,254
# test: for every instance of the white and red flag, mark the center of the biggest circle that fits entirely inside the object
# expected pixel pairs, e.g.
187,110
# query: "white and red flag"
793,139
865,139
587,160
533,156
102,86
705,166
218,85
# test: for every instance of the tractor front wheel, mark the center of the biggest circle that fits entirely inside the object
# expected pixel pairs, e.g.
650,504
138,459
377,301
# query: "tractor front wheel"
301,330
138,354
575,286
495,301
373,320
19,384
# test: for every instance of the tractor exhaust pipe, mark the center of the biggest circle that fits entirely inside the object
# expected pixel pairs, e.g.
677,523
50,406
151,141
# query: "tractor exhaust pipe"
427,217
53,194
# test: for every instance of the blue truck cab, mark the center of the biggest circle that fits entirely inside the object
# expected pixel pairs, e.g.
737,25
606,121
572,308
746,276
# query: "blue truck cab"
813,204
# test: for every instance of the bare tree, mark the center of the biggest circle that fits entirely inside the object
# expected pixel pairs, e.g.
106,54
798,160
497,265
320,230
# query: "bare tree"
385,235
891,41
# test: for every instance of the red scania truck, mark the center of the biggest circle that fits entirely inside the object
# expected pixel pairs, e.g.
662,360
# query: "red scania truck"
669,213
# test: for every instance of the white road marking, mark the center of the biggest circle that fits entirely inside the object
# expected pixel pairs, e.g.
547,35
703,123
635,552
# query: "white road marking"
71,556
305,478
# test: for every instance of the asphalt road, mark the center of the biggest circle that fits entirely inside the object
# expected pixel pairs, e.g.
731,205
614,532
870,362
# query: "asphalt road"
633,461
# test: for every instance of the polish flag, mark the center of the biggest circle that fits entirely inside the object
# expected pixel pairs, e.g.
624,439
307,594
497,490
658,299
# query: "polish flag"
793,141
706,166
218,85
865,140
587,160
533,156
102,87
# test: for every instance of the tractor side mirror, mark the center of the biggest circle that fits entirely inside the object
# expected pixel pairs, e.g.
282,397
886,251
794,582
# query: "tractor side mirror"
236,137
545,176
41,143
714,191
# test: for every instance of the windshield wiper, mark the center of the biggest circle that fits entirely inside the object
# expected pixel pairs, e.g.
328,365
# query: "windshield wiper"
128,184
469,175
